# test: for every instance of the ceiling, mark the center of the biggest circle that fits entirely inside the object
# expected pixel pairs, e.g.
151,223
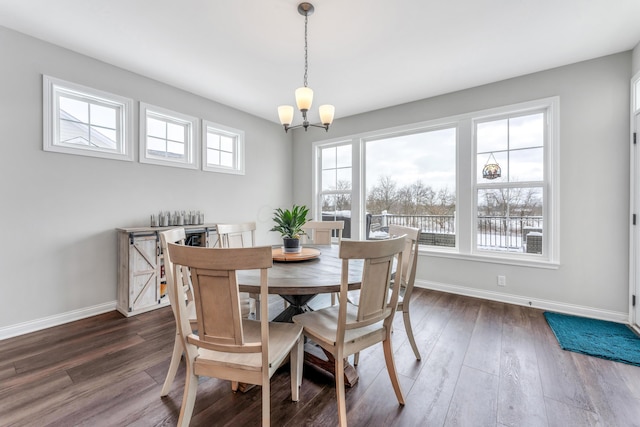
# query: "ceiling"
363,54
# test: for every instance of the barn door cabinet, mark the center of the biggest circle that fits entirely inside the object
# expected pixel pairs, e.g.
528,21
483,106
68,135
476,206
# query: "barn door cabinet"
141,280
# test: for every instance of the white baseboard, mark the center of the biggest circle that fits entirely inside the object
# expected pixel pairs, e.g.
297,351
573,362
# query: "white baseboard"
58,319
559,307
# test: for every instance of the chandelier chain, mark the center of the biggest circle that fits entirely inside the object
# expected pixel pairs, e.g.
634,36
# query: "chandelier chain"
306,67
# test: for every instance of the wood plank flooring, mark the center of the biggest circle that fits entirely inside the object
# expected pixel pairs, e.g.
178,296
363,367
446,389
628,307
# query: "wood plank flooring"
484,363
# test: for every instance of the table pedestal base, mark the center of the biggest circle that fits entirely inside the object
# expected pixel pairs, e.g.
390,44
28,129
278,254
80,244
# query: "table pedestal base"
297,305
327,364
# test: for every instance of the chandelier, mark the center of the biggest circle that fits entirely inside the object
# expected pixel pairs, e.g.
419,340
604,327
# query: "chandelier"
304,95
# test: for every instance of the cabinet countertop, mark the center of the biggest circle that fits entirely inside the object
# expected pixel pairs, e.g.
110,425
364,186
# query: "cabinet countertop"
148,229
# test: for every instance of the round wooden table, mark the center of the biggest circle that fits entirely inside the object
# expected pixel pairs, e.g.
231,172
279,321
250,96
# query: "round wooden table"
298,282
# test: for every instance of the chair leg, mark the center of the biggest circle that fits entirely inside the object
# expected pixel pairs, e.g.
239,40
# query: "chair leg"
234,386
342,405
173,366
391,368
297,357
409,329
333,298
266,400
188,398
356,359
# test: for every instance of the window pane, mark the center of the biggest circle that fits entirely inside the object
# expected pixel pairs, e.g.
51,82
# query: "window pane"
226,143
411,181
213,141
344,179
103,138
343,156
526,131
213,157
176,150
77,110
73,132
337,207
492,136
226,159
329,158
507,216
156,145
526,165
329,179
103,116
176,132
157,128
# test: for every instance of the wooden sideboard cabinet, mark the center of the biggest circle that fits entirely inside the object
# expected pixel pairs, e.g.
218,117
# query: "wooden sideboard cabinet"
141,280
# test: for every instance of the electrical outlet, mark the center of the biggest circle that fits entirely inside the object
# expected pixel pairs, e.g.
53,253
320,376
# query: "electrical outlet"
502,281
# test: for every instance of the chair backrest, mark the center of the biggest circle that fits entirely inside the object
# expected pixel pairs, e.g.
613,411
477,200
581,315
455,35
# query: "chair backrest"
322,231
241,235
217,299
378,260
409,254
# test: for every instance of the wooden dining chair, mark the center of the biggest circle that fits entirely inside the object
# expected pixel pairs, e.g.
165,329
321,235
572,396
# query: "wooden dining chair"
407,279
345,329
322,233
240,235
176,235
227,346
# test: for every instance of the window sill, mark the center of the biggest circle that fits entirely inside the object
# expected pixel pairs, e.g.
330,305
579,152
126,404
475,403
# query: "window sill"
521,262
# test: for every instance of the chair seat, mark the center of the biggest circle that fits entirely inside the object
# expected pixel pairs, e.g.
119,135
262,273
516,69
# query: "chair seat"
281,338
322,325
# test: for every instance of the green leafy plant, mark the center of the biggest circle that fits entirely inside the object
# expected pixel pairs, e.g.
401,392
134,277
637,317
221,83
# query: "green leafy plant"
289,222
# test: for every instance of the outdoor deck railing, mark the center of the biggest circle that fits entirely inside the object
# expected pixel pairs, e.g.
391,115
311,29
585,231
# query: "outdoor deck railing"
509,233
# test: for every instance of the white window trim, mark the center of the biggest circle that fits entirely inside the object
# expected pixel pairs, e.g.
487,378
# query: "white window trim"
239,149
550,182
193,134
52,86
466,209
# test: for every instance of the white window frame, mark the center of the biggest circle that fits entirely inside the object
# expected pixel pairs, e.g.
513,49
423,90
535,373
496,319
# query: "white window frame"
54,88
549,184
238,151
466,194
191,160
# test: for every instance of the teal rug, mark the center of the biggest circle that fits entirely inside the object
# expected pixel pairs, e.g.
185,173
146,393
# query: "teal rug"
599,338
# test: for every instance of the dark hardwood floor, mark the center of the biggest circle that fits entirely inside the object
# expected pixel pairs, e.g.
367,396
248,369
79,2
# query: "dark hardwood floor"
483,364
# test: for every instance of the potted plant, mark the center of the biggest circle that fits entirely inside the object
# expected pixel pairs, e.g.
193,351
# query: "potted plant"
289,224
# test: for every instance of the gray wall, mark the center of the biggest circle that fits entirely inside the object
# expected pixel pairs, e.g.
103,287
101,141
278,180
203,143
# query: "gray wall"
59,212
594,186
636,59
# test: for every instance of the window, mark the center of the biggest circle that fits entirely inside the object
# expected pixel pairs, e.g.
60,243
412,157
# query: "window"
334,196
481,184
411,181
84,121
223,149
168,138
510,183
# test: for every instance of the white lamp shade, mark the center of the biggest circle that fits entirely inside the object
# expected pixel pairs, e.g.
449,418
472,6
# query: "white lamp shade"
285,112
304,98
326,114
